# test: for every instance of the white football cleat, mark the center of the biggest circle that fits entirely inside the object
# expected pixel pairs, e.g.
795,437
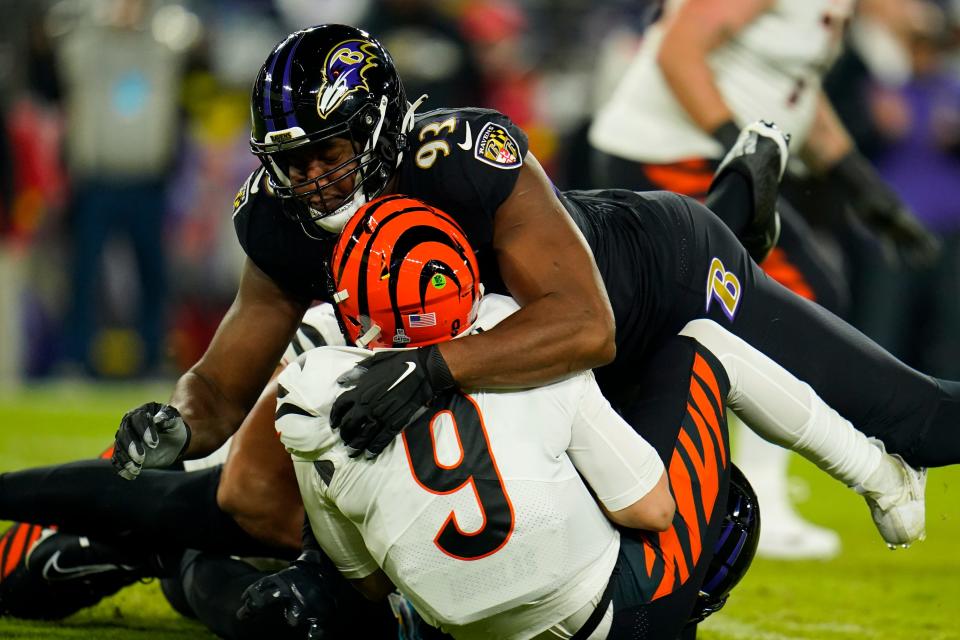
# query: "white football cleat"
760,156
752,145
895,495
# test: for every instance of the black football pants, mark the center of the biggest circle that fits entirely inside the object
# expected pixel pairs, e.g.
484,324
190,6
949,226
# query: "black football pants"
914,414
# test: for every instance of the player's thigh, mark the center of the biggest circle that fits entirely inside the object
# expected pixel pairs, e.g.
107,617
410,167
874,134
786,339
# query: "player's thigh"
848,370
258,474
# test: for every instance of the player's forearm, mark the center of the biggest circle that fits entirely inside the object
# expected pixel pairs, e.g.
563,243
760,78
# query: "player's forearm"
690,79
212,418
828,141
697,28
546,340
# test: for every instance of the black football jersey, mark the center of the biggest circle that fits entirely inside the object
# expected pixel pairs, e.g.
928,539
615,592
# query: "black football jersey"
462,161
652,250
465,162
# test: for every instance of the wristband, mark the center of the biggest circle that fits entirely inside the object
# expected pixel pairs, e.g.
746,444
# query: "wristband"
726,134
437,370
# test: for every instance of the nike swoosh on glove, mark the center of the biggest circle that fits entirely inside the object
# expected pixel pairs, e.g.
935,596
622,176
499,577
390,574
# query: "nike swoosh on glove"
390,391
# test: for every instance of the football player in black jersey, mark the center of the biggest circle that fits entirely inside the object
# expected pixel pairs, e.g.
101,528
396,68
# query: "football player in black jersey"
601,276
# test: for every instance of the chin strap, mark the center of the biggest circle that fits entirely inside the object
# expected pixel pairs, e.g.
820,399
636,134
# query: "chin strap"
406,126
372,144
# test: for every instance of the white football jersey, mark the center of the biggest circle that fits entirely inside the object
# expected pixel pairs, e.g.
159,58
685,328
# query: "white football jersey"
770,70
318,328
478,515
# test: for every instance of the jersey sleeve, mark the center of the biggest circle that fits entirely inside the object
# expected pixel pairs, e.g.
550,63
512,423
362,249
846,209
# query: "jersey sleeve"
466,162
618,464
278,245
338,537
307,389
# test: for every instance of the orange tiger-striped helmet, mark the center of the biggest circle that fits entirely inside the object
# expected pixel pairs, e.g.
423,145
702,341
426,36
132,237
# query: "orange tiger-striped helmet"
404,274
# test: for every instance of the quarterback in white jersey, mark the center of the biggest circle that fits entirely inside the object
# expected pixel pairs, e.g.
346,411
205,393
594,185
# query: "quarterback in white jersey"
478,515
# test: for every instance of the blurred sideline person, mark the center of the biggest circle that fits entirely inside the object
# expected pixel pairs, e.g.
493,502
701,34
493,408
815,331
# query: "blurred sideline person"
478,513
703,70
911,121
121,91
333,129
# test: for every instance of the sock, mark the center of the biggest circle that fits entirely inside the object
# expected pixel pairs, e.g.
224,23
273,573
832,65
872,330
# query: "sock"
886,483
160,509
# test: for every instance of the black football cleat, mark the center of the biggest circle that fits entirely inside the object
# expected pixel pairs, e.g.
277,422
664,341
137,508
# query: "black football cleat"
58,574
759,155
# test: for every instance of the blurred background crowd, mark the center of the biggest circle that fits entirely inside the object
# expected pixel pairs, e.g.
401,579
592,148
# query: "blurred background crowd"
124,136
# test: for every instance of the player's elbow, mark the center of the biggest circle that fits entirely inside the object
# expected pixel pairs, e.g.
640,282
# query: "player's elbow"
599,338
655,517
652,512
661,517
669,52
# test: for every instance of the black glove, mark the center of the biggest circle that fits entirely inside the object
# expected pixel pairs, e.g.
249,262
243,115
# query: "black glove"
879,207
392,389
152,436
300,596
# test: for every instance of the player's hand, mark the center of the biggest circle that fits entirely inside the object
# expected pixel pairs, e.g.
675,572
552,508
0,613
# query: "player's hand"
390,390
890,219
879,207
299,596
152,436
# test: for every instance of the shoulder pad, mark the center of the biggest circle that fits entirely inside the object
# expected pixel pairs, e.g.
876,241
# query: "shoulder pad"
484,135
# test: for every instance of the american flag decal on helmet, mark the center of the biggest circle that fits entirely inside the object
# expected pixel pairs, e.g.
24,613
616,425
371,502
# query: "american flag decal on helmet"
422,319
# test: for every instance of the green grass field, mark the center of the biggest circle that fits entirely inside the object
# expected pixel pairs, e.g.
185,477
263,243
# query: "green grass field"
867,592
